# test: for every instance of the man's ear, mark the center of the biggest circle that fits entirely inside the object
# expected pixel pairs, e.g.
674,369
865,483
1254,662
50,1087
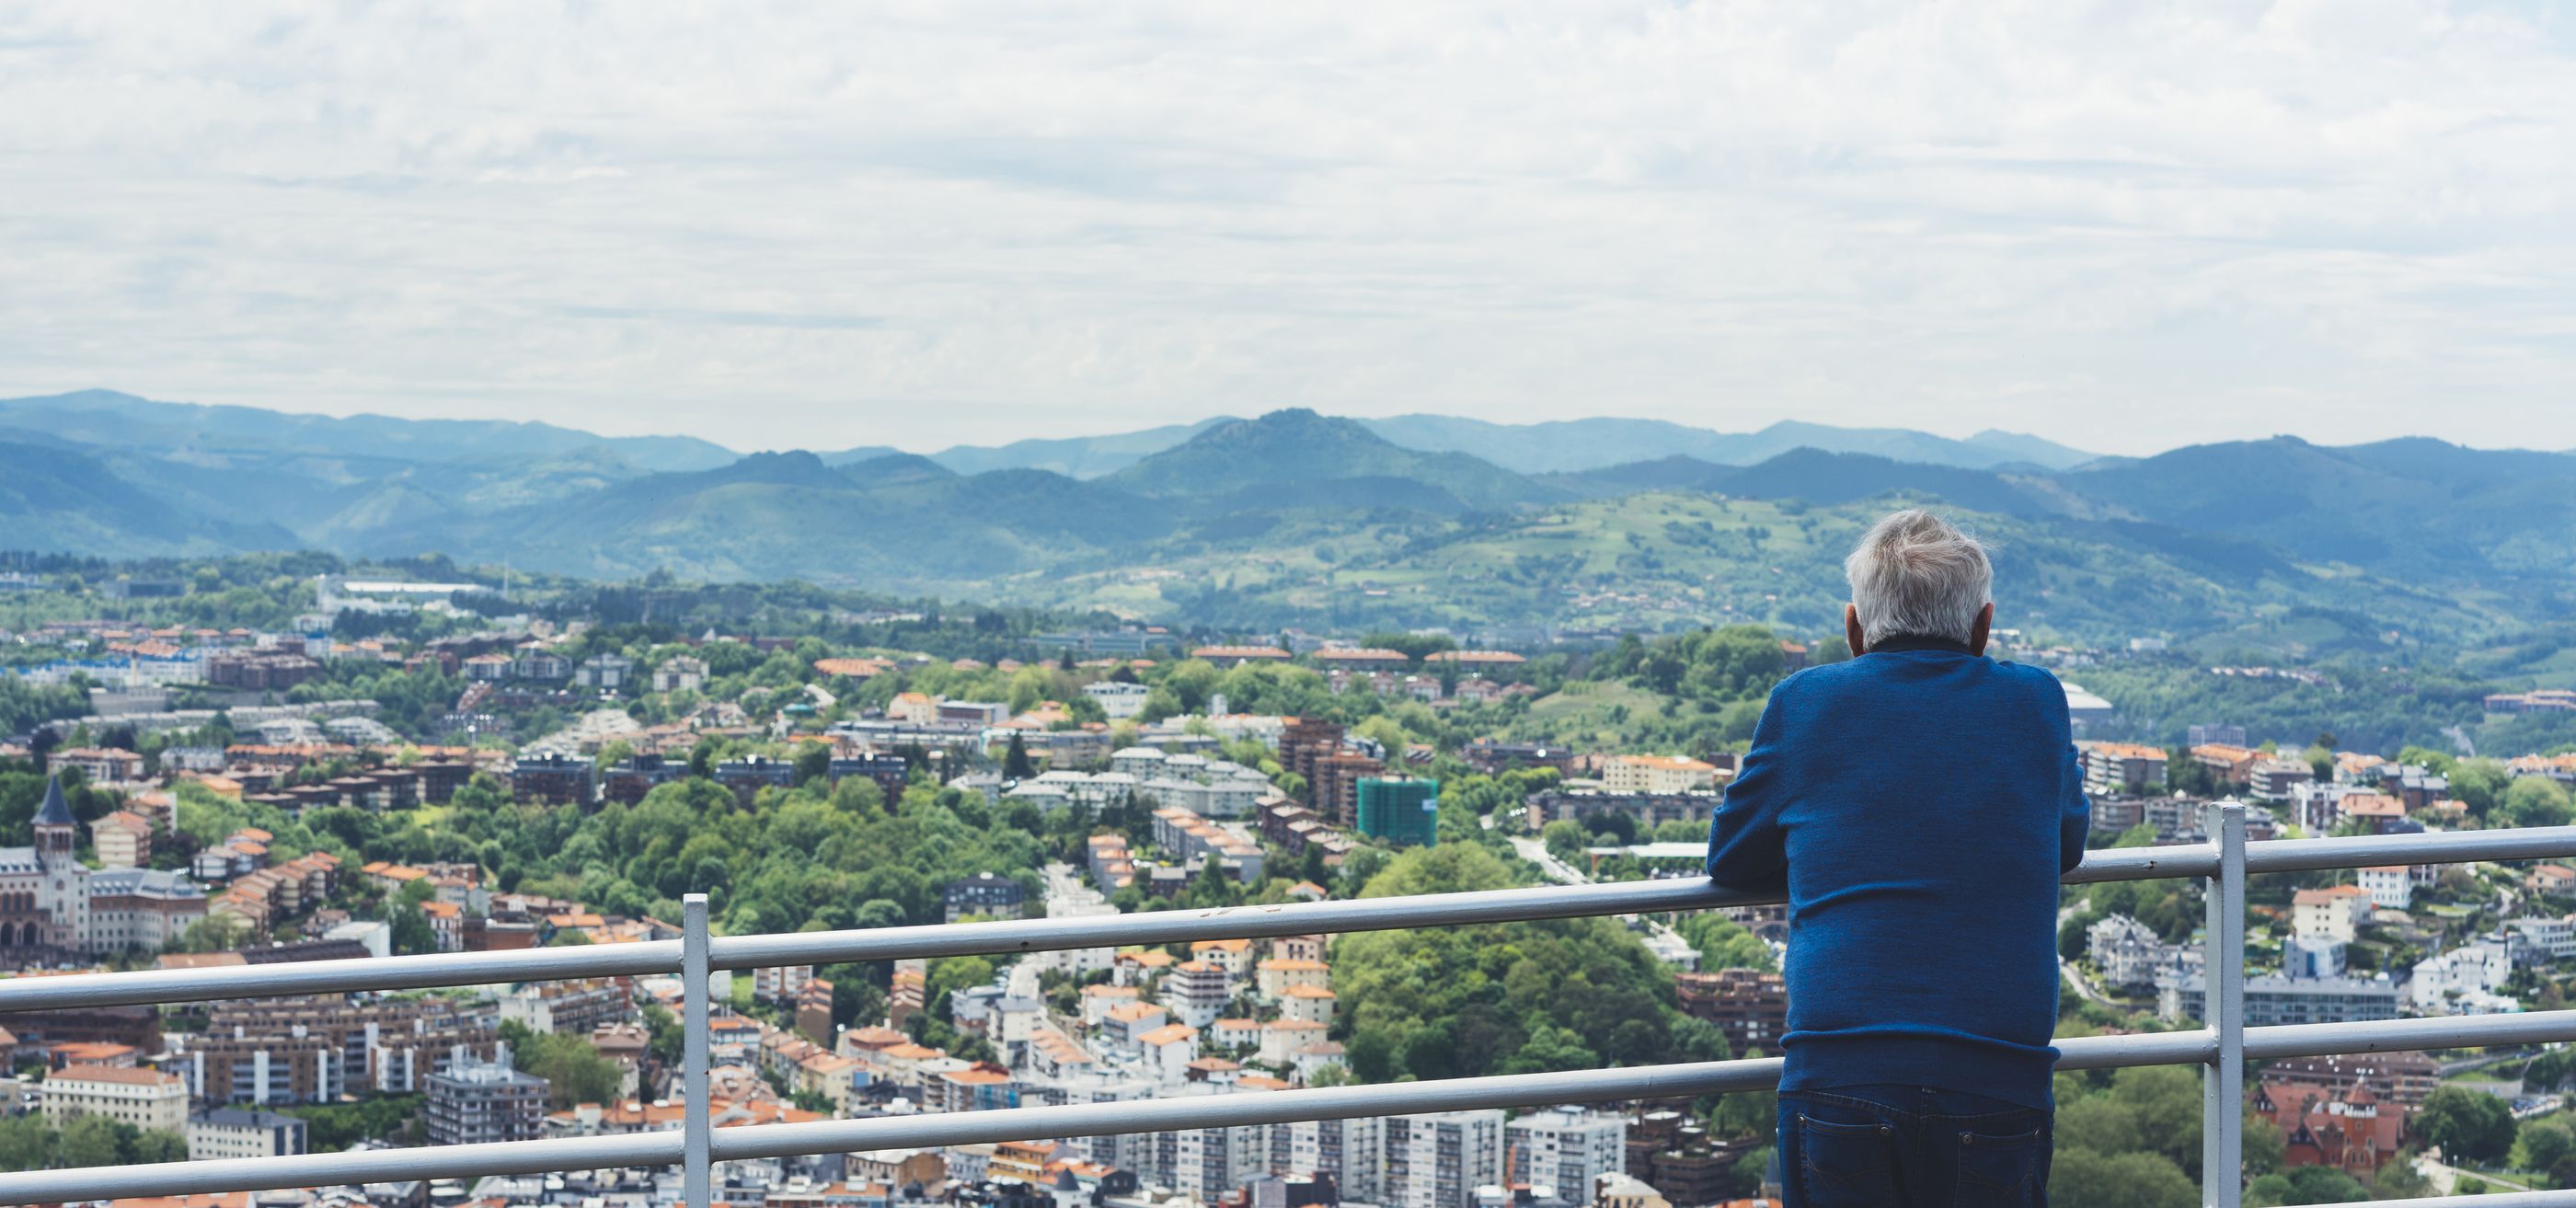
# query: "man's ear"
1984,627
1852,630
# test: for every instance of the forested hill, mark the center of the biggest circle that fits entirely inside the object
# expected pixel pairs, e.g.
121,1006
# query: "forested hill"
1297,517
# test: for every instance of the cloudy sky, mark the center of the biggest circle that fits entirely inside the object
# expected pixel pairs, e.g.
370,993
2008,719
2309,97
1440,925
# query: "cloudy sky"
2124,226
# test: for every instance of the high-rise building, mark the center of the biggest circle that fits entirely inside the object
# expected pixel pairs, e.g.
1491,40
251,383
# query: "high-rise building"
1353,1152
1566,1150
1403,811
478,1101
1438,1160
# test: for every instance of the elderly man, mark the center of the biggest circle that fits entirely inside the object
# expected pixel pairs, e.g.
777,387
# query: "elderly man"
1917,804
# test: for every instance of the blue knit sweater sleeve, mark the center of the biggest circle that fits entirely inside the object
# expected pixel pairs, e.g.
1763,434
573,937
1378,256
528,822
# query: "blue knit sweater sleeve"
1746,846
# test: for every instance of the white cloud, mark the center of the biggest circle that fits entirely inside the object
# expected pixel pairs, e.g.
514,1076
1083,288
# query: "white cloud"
2122,226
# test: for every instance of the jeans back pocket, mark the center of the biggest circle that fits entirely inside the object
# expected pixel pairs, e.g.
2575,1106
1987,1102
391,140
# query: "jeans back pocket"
1847,1165
2001,1170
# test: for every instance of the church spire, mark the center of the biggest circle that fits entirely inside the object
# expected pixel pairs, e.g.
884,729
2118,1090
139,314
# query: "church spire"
55,811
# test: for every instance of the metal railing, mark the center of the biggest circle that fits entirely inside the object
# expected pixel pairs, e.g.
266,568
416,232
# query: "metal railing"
2221,1048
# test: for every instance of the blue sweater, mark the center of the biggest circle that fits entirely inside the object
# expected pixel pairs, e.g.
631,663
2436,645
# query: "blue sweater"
1917,804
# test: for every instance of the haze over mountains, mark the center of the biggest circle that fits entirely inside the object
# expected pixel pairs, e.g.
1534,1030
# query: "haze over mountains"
107,474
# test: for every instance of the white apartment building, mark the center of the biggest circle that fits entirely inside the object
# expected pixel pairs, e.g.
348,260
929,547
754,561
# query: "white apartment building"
1118,701
1657,774
146,1099
232,1132
2390,888
2126,951
2467,980
1567,1149
1196,992
2335,913
1438,1160
1209,1162
2549,939
1353,1152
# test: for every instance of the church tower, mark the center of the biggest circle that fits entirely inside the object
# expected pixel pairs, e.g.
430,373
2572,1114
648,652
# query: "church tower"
57,833
62,882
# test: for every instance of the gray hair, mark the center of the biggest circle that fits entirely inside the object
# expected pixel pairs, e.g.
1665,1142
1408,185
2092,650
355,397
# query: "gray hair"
1913,575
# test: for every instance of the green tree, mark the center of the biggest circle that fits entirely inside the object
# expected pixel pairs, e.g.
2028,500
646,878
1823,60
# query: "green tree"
573,1069
2468,1125
1564,839
2399,1180
1015,760
2546,1142
813,762
2126,1180
89,1141
2537,801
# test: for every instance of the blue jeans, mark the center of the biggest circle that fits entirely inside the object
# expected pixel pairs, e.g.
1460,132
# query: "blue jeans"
1910,1147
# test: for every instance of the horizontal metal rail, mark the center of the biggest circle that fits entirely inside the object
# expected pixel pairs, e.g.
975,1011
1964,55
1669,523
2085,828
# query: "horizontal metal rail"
2220,861
157,986
1183,1114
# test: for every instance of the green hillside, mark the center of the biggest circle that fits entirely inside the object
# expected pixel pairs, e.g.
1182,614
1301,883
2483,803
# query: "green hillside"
1670,560
1323,459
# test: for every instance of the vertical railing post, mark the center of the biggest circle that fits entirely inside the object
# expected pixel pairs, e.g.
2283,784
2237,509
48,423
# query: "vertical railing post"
696,1104
2222,1121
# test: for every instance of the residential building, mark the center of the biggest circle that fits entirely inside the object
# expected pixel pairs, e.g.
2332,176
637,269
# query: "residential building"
1439,1160
2353,1132
751,773
1206,1163
1566,1149
1352,1152
551,777
146,1099
231,1132
1647,810
607,671
681,674
131,908
630,779
2389,888
2312,958
2334,913
1231,656
985,894
575,1008
2278,779
110,764
1404,812
122,839
2272,999
886,769
473,1102
2208,734
1750,1006
1657,774
2129,954
1118,699
2547,938
2123,767
1274,974
781,983
314,1049
2467,980
1196,992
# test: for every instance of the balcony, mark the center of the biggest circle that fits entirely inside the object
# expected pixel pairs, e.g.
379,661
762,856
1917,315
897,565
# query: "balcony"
2221,1049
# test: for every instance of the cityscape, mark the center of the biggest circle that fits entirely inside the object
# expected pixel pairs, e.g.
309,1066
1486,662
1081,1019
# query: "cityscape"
227,761
1443,604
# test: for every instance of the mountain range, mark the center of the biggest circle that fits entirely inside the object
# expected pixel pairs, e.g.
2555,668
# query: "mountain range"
1212,519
